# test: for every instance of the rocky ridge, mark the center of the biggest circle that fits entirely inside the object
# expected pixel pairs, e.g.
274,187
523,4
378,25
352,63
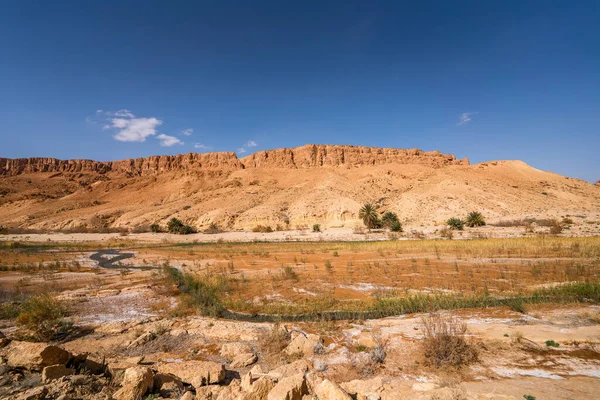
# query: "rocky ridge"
308,156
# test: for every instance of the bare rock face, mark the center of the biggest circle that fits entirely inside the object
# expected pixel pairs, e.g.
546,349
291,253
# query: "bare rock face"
196,373
309,156
291,388
54,372
35,356
137,381
38,393
298,366
302,344
327,390
243,360
313,155
234,349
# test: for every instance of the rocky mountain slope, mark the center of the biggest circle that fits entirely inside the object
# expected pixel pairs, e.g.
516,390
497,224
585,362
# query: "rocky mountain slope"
287,187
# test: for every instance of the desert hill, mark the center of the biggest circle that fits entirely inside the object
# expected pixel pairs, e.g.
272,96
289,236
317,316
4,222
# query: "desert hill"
323,184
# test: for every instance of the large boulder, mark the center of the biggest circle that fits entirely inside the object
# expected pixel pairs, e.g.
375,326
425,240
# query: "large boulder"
137,381
302,344
290,388
196,373
243,360
54,372
298,366
327,390
35,356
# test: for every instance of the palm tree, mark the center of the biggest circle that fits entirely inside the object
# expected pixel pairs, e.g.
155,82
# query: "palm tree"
388,219
474,219
369,215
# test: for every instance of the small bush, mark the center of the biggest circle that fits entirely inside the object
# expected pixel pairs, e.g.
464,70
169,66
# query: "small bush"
565,221
396,226
289,273
155,228
552,343
446,233
444,343
378,354
262,229
474,219
44,317
177,227
212,229
316,228
556,228
456,223
185,208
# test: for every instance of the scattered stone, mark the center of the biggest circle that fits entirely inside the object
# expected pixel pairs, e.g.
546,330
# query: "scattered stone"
187,396
54,372
167,384
135,360
136,382
35,356
320,365
327,390
363,388
298,366
302,344
142,339
196,373
289,388
4,341
234,349
93,365
79,380
243,360
260,389
38,393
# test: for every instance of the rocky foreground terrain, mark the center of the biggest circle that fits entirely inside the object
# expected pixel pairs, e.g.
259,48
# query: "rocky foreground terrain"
283,189
202,358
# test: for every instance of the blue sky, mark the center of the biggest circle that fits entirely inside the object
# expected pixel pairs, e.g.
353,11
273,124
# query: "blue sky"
480,79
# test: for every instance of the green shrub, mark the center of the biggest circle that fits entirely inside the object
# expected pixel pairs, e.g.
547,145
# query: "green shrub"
474,219
455,223
262,229
212,229
155,228
316,228
552,343
179,228
396,226
44,317
388,219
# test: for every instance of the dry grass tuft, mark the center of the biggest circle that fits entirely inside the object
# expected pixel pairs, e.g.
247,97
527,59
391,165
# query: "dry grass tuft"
444,344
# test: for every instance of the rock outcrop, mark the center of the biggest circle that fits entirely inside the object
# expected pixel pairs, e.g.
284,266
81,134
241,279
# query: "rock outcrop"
309,156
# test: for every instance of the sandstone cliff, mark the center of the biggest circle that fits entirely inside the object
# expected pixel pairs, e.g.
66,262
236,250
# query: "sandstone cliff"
309,156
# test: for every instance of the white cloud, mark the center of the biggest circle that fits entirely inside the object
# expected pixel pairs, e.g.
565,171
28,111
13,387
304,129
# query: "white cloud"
123,113
168,141
187,132
241,150
134,129
465,117
99,111
251,143
201,146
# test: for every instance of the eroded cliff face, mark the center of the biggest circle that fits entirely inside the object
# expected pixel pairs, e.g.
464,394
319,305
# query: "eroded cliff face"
309,156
